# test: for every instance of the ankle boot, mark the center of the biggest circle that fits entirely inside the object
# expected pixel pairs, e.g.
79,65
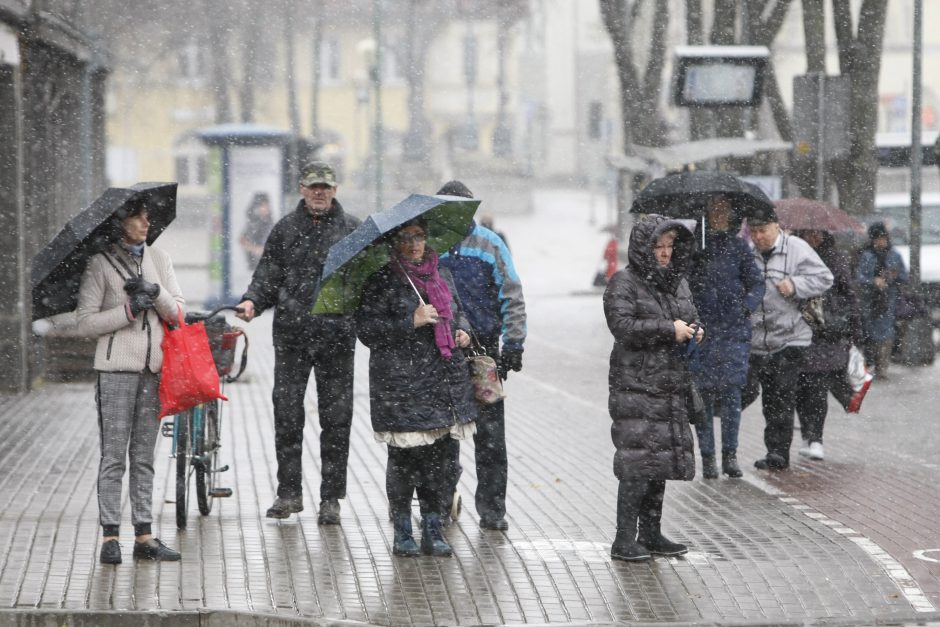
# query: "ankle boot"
405,544
626,548
432,540
650,526
658,544
729,464
709,469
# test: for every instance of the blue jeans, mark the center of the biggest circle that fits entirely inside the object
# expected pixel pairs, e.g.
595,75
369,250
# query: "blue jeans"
724,402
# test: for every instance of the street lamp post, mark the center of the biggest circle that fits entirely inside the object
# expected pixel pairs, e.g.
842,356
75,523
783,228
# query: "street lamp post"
378,130
916,150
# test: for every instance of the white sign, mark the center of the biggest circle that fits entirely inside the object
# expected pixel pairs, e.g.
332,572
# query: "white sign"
255,173
9,46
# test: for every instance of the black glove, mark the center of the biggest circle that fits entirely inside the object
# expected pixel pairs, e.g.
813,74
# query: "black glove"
140,301
137,285
509,360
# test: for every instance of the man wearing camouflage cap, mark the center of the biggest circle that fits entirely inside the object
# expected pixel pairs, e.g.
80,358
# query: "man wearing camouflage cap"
286,279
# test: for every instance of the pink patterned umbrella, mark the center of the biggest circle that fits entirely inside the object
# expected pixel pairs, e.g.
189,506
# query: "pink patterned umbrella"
799,214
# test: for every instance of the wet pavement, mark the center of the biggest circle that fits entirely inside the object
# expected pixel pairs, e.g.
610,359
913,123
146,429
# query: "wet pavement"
854,539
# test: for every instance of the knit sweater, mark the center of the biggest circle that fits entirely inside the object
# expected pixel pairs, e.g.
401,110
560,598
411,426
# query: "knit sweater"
126,345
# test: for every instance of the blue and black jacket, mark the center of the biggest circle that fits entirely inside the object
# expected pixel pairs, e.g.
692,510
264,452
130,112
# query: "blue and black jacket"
488,287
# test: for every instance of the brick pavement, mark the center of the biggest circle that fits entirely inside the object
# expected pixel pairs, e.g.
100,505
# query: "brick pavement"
800,547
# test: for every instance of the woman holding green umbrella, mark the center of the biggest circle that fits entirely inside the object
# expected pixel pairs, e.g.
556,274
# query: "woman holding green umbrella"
419,386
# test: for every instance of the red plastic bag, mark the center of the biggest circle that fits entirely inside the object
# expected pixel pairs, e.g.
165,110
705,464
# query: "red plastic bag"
189,376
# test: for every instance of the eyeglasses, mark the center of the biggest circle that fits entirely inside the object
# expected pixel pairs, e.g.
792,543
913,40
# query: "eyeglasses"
408,238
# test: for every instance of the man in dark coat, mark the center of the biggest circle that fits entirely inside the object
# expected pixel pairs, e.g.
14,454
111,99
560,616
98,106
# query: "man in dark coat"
286,279
650,313
491,294
727,287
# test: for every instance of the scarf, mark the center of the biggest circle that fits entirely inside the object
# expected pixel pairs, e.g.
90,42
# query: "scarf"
428,280
134,250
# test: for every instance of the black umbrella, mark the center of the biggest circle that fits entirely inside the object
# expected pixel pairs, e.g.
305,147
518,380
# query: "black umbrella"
58,267
686,195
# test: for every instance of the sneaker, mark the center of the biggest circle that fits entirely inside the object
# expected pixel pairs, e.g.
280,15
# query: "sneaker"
329,512
285,506
816,451
855,403
110,552
155,549
804,450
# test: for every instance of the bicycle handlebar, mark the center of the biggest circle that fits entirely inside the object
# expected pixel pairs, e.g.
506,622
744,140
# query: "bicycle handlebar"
195,316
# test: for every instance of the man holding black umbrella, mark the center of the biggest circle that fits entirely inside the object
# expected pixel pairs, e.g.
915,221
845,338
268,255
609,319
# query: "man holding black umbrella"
286,278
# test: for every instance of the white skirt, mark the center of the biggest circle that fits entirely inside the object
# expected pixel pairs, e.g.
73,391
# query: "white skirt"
411,439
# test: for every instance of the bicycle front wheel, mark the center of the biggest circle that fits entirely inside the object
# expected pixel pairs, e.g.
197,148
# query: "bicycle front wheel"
181,428
206,441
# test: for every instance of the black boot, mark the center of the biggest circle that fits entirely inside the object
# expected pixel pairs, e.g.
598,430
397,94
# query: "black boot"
625,546
405,544
650,523
627,549
729,464
432,540
709,469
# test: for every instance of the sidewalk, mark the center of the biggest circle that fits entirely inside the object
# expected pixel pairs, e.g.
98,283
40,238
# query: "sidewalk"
828,542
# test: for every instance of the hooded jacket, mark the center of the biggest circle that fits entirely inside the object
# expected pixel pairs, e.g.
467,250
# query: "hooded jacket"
290,267
411,386
488,286
778,322
648,379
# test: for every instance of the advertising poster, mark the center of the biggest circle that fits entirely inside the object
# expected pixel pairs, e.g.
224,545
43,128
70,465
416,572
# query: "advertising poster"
254,204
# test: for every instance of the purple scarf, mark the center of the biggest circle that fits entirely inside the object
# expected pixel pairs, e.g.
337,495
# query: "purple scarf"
427,279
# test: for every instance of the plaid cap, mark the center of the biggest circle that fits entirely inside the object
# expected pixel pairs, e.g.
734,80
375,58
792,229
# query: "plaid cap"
317,173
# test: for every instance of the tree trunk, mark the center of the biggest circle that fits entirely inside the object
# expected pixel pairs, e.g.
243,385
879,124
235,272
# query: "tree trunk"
221,77
814,32
699,117
247,91
860,60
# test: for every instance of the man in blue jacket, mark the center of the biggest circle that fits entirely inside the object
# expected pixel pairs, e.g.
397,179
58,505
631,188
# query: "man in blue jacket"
491,296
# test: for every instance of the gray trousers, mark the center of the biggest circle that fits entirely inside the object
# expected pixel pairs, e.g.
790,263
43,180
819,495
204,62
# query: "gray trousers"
128,406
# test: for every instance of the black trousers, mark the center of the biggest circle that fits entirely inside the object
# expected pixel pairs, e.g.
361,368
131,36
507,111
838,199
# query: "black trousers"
421,469
812,400
332,365
776,378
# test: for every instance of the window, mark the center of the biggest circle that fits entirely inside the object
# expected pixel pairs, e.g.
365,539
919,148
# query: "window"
182,170
329,59
192,61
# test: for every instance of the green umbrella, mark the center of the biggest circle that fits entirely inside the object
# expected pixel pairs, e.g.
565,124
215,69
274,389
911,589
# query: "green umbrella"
356,257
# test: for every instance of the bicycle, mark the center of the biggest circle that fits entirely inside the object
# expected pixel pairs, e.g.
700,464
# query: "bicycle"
197,432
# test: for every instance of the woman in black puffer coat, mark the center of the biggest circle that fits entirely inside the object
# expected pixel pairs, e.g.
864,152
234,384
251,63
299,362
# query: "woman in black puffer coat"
419,384
650,313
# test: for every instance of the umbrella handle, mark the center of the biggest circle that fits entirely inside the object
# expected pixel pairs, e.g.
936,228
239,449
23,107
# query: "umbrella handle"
421,300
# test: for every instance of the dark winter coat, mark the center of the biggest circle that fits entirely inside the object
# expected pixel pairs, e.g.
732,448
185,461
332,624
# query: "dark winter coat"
288,273
879,308
830,348
411,386
727,287
648,378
